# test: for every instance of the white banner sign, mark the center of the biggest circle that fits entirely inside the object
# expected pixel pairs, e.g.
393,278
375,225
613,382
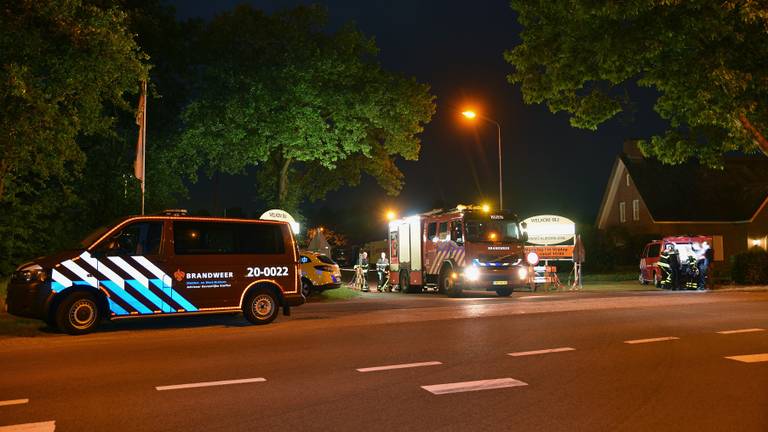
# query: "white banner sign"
282,216
549,229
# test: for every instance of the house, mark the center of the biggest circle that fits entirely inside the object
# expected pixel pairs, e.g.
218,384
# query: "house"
646,197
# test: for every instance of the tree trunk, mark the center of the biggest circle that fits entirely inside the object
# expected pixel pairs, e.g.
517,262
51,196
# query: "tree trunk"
758,138
282,184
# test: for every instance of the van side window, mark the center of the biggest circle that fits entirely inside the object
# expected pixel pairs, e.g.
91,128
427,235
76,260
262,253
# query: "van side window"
140,238
654,250
206,238
431,230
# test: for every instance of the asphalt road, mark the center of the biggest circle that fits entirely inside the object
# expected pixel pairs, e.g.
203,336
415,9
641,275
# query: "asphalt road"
648,361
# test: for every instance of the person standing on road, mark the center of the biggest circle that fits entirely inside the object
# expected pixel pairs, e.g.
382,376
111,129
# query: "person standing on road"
362,267
674,267
382,267
703,257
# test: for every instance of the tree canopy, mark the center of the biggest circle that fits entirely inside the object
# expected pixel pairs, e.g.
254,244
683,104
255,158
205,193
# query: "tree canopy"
67,69
707,60
284,93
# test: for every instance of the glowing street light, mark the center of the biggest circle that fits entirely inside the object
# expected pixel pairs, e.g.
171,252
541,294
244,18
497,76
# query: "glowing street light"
486,208
471,115
391,215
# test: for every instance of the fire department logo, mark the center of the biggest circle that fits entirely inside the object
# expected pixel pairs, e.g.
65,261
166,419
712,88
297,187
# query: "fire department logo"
179,275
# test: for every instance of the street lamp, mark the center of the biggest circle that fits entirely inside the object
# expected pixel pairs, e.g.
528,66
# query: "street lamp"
471,115
391,215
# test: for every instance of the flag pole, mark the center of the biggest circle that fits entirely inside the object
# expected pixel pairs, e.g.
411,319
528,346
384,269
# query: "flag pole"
144,146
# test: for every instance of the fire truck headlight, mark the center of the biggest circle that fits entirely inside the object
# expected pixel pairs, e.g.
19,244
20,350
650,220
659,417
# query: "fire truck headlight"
522,273
472,273
532,258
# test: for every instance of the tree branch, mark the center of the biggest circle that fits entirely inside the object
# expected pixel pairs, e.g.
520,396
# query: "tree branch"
758,138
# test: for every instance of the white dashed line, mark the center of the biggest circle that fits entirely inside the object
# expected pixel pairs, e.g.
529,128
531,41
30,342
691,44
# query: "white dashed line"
749,330
750,358
398,366
14,402
469,386
659,339
210,384
48,426
544,351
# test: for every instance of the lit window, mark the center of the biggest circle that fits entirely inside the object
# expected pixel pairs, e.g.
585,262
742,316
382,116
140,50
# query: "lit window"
623,211
627,179
635,210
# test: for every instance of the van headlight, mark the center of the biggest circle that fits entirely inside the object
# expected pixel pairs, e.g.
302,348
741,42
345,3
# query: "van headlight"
472,273
29,274
522,273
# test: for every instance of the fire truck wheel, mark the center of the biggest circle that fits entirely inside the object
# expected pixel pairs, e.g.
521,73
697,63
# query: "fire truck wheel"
447,285
504,292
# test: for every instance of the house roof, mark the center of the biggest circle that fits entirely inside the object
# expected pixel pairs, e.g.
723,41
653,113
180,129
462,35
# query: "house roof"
692,192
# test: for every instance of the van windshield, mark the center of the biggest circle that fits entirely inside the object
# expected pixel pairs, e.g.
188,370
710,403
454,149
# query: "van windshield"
491,230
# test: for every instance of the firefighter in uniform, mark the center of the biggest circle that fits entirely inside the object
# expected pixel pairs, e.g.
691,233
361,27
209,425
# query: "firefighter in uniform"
674,266
692,273
665,267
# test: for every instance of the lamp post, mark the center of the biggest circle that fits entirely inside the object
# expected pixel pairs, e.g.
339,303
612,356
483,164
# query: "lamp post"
472,115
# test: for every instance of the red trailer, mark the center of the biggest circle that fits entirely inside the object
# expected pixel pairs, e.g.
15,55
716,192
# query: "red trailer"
467,247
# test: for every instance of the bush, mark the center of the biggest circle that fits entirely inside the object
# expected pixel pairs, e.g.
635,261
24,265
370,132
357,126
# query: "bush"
751,267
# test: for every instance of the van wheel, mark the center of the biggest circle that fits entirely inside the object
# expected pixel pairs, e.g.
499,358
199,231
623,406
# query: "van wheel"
261,307
642,280
306,288
78,314
504,292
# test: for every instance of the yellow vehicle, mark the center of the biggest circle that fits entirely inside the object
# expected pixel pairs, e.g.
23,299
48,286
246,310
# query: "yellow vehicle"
318,273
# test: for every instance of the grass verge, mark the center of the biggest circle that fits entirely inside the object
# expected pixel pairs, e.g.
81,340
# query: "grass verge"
342,293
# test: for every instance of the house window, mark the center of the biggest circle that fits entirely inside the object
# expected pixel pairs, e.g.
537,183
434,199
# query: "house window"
623,211
635,210
627,180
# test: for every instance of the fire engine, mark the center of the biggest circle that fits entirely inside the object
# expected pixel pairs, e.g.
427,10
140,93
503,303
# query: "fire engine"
467,247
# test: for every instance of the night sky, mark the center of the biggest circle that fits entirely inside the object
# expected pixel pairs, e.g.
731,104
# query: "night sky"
457,47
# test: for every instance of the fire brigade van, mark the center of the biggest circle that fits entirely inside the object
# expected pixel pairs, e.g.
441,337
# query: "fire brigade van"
468,247
171,264
649,267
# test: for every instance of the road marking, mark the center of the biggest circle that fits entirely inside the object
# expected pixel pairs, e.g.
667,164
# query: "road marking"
48,426
399,366
14,402
659,339
749,330
469,386
750,358
544,351
210,384
531,296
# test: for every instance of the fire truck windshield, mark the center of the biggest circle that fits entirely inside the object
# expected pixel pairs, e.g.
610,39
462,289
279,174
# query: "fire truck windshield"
491,230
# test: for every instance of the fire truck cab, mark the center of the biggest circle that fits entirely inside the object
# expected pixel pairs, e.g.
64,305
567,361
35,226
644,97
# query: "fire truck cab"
467,247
